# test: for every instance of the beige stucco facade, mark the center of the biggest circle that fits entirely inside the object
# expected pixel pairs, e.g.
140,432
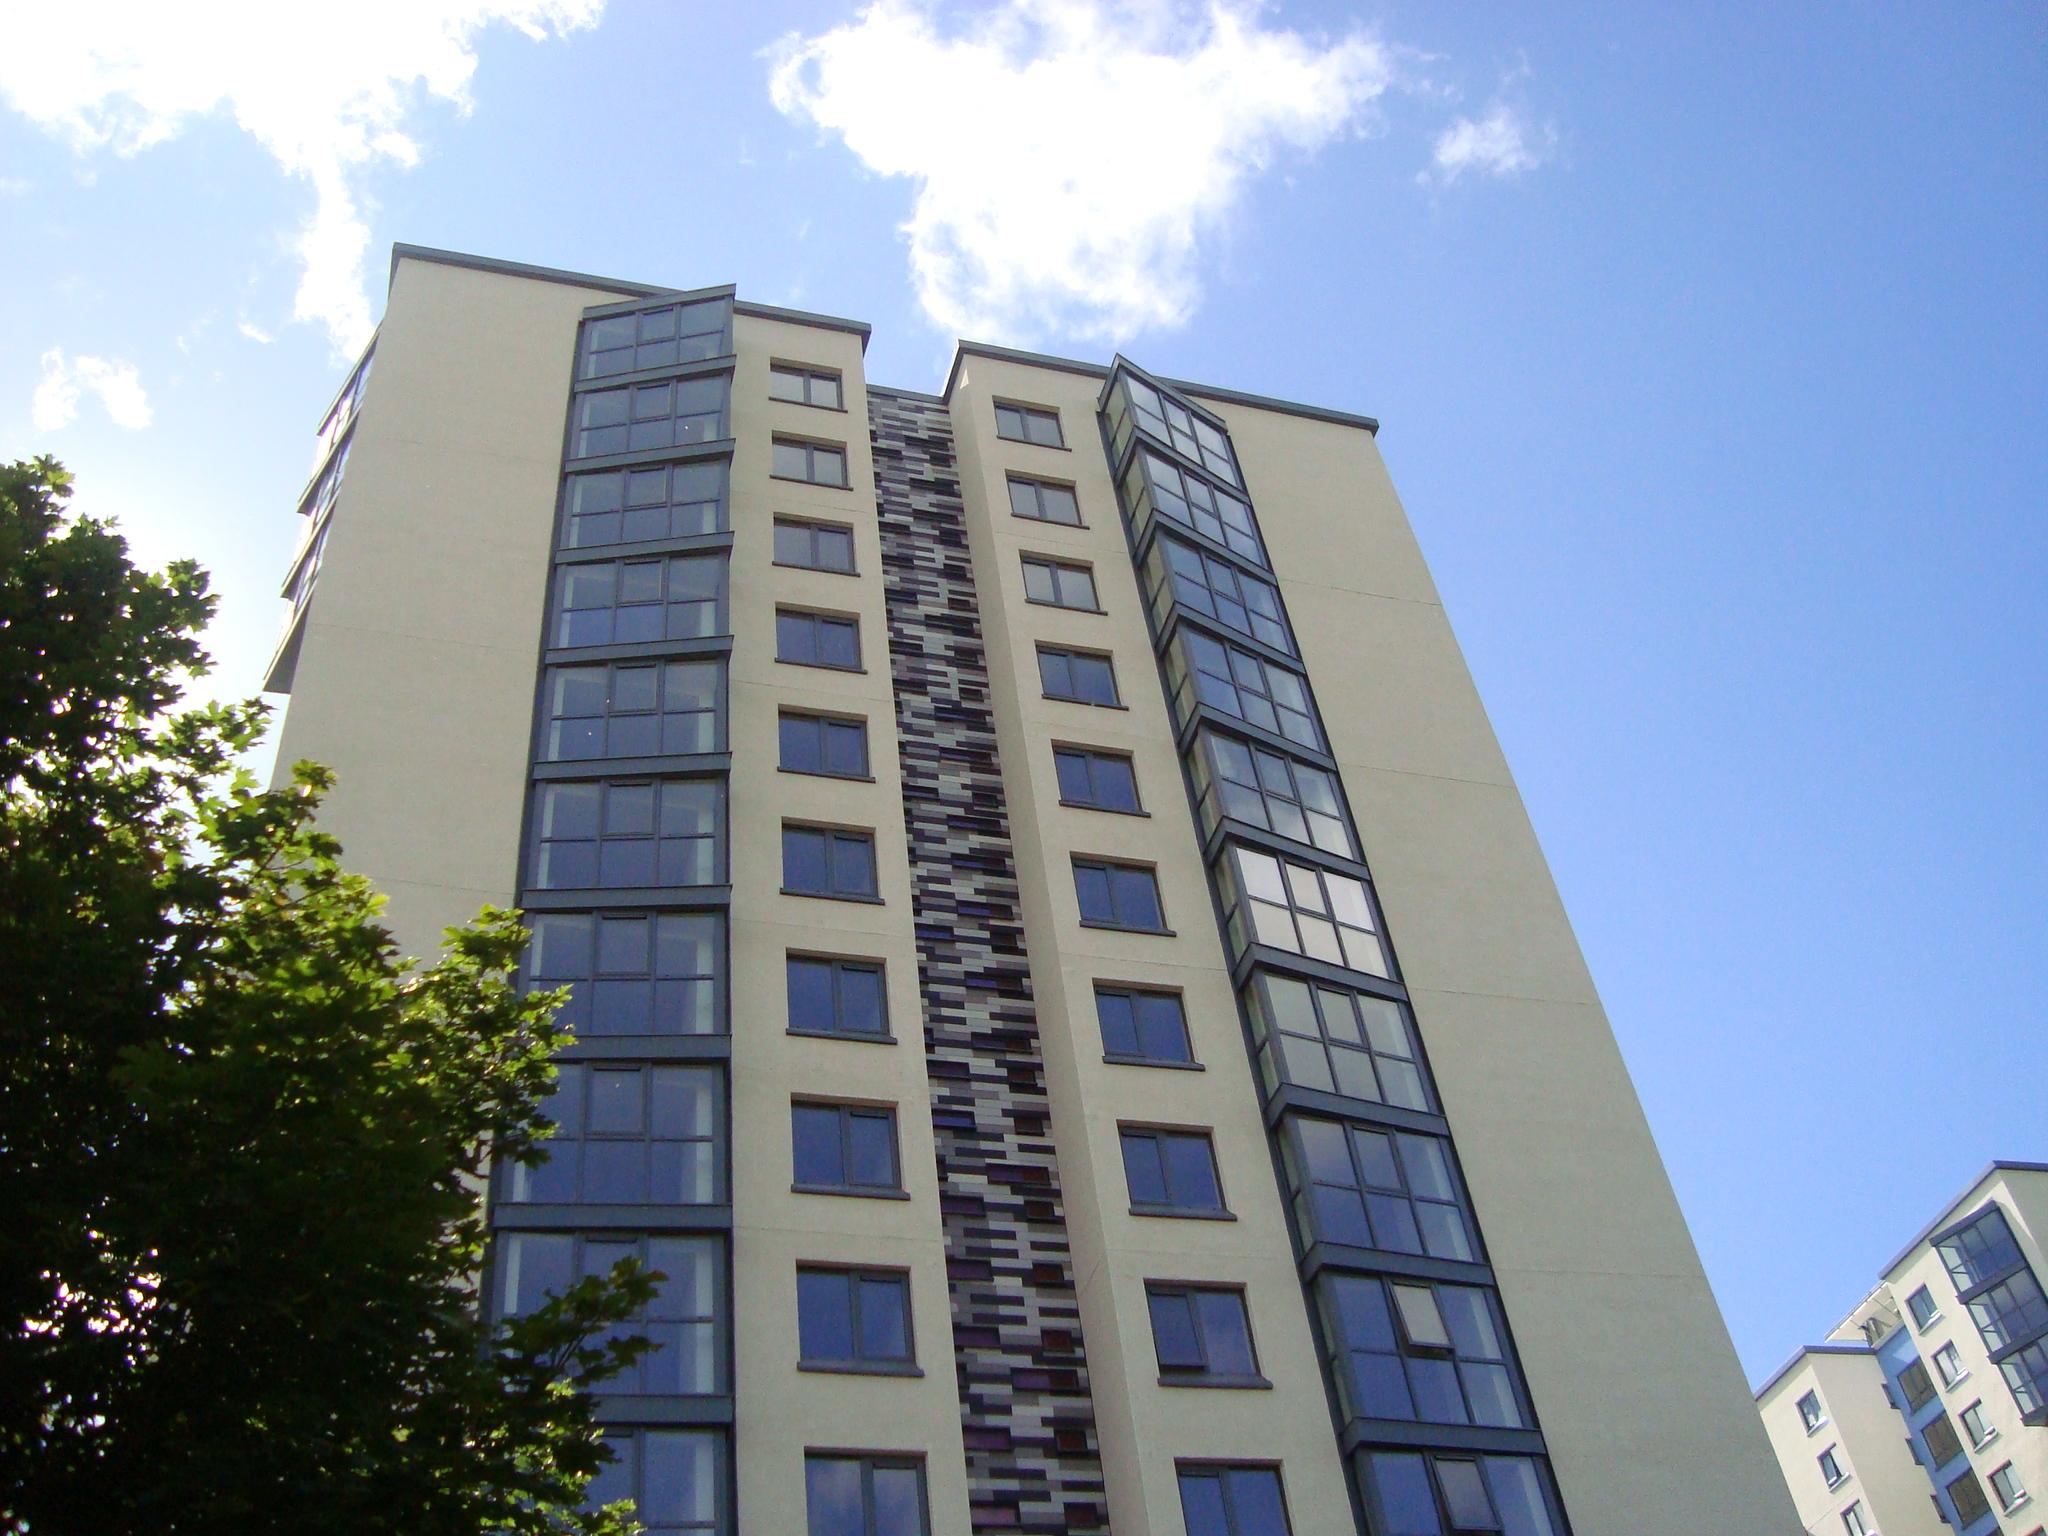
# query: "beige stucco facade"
415,678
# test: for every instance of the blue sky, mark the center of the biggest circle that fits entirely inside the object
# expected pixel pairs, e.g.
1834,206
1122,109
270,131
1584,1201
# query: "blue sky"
1709,348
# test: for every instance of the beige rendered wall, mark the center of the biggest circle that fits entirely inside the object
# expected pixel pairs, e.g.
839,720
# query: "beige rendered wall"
416,674
1868,1437
1144,1426
783,1411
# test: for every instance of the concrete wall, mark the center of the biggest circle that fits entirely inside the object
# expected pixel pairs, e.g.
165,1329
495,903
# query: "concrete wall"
1865,1432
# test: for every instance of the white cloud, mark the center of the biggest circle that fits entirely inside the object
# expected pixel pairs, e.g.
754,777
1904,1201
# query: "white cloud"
255,332
1070,156
327,95
115,383
1499,144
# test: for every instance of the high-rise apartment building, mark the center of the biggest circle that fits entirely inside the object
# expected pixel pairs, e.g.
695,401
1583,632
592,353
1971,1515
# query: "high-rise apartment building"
1066,988
1926,1410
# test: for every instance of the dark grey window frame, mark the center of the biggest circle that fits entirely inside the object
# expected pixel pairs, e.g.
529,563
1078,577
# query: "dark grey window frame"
1922,1320
635,1479
1941,1366
835,837
1433,1462
818,622
1976,1411
1172,1206
1339,919
1089,757
812,448
1817,1417
869,1462
1940,1429
1474,1381
839,966
1111,868
1226,1492
1979,1503
826,723
717,1317
857,1364
1060,570
1038,486
684,428
1203,1374
806,375
847,1112
588,986
593,329
1374,1198
1028,416
1138,1058
813,526
516,1180
708,608
2006,1485
1830,1465
600,840
663,669
1345,1064
1294,720
680,519
1067,653
1914,1376
1168,586
1324,829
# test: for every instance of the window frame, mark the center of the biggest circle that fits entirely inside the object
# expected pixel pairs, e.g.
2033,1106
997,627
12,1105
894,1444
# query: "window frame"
1037,485
825,723
1280,1064
1067,654
2017,1497
848,1111
1831,1471
1243,906
1473,1381
811,448
807,374
869,1463
834,836
1189,663
1088,757
674,428
684,518
1855,1522
817,622
857,1276
1222,1472
1304,1178
556,728
593,326
838,966
1819,1416
1928,1435
588,986
1205,1373
812,526
715,1314
1114,989
1221,795
517,1183
1059,573
1110,869
631,1470
1028,414
1933,1314
1975,1440
1982,1500
709,612
542,844
1925,1377
1160,1136
1954,1357
1219,587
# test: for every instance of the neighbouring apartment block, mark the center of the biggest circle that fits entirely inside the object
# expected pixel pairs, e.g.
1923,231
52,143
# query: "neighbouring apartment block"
1926,1409
1066,990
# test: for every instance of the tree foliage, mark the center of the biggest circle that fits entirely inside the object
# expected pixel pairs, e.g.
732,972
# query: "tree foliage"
241,1139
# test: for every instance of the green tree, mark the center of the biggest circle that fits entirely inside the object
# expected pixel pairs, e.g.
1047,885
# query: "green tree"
241,1139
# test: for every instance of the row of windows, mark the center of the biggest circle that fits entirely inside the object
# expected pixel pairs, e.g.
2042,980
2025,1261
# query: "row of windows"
1136,405
1300,908
621,833
661,501
667,337
674,413
1203,670
673,597
1151,485
1177,572
1420,1351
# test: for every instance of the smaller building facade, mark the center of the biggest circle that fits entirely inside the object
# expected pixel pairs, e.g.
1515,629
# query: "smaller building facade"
1926,1410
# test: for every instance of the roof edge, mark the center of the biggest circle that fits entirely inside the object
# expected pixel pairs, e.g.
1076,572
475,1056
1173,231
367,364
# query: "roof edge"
1801,1353
1995,1166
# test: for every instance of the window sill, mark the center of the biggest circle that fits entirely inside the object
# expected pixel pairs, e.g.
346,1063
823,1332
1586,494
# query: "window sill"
860,1368
1841,1482
842,1034
2018,1504
820,773
1060,698
1152,1061
1025,442
823,485
864,901
849,1194
1164,933
1817,1426
809,405
1978,1445
822,570
1039,602
1919,1328
1046,522
1950,1386
1227,1383
819,666
1107,810
1179,1214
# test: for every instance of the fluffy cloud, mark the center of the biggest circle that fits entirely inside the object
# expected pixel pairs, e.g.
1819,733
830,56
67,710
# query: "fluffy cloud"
61,384
327,94
1499,144
1070,156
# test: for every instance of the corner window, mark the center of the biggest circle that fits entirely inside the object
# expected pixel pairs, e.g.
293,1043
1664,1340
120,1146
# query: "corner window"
1029,424
1831,1467
1060,584
671,414
1044,501
1949,1364
806,639
1143,1026
1334,1041
1227,678
822,744
1420,1351
1943,1444
1301,909
2010,1311
795,458
1917,1386
1369,1188
632,973
675,1478
627,1135
661,501
616,834
681,1321
1224,1500
654,338
865,1496
1270,790
1152,484
1118,896
1203,583
1810,1413
844,1149
1980,1251
1921,1305
853,1319
827,861
2026,1373
1202,1335
1096,780
626,602
1451,1493
1174,424
634,709
830,996
805,386
1171,1173
814,546
1082,677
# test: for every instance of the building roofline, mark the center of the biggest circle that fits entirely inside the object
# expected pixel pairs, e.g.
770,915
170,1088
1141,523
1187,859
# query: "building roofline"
965,349
1801,1353
428,253
1995,1166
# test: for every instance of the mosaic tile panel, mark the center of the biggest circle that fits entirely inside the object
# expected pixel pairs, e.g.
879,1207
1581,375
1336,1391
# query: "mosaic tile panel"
1027,1419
